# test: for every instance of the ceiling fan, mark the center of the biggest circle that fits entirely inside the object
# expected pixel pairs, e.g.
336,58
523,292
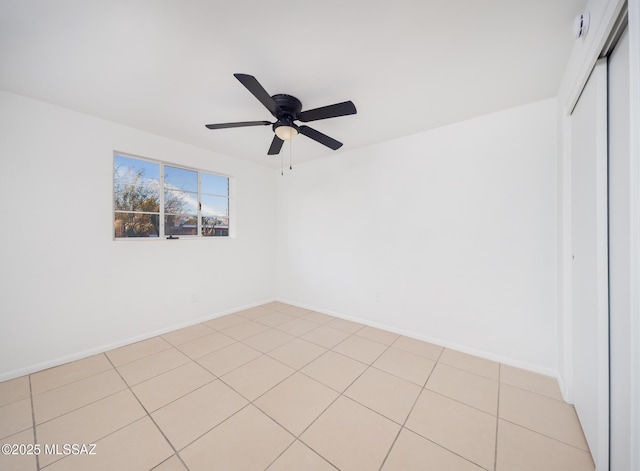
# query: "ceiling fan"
287,109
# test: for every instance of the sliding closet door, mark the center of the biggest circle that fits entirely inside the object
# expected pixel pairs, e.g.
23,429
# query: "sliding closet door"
620,255
590,317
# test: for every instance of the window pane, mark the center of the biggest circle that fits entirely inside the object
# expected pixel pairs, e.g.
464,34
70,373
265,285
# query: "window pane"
130,197
180,202
136,225
181,225
215,226
214,184
180,179
136,184
129,170
215,206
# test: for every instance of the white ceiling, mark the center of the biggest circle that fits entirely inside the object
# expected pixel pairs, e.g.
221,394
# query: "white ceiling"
166,66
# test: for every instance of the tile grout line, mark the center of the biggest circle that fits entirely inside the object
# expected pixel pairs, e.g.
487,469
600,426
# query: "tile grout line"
33,420
283,451
77,409
533,430
216,378
297,439
251,402
148,415
300,336
219,377
191,339
192,358
340,394
177,398
545,435
402,426
426,438
70,382
495,455
209,430
522,388
297,370
242,341
113,368
164,461
82,407
497,416
400,377
294,337
169,345
155,376
472,372
459,402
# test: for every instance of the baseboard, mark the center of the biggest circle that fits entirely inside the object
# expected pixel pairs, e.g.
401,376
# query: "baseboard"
563,390
120,343
441,342
147,335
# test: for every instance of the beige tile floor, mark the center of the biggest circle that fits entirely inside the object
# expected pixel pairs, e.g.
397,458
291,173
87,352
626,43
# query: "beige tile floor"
279,388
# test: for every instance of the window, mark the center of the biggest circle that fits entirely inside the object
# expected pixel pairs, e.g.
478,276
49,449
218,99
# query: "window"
153,199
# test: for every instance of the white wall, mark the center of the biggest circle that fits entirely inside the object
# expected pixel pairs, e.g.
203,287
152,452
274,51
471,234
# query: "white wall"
67,288
447,235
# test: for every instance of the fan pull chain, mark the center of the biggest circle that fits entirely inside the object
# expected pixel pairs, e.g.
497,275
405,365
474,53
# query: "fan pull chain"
291,154
281,164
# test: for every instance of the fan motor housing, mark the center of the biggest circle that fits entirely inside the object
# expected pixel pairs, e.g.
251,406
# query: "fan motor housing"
289,105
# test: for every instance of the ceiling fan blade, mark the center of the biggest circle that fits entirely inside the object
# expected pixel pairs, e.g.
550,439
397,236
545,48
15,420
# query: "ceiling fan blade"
276,145
237,125
319,137
331,111
252,84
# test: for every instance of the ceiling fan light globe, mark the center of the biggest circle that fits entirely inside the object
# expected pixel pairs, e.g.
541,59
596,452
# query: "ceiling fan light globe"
286,133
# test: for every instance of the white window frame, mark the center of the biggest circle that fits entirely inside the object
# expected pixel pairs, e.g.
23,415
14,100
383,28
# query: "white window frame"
162,235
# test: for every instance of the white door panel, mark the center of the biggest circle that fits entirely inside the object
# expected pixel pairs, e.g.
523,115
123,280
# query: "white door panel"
589,319
620,255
